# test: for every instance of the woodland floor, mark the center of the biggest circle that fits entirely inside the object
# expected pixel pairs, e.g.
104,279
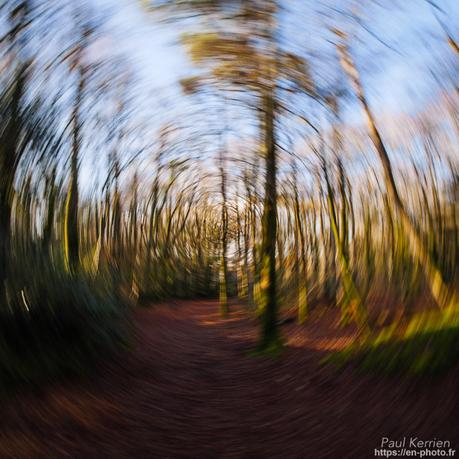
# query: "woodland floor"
191,389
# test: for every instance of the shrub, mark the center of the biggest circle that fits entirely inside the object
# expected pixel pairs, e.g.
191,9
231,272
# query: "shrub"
428,345
56,325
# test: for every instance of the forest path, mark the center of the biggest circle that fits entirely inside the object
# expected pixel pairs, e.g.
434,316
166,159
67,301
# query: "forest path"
190,389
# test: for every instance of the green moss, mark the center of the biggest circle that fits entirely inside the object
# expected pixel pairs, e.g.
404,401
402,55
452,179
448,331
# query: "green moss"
270,348
428,345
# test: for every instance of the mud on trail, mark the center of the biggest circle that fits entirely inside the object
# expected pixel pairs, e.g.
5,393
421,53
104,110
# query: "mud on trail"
191,389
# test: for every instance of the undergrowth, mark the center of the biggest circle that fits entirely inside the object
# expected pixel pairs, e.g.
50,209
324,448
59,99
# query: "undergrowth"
57,325
427,345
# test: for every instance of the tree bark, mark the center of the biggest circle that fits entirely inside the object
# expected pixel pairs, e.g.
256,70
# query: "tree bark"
444,296
268,307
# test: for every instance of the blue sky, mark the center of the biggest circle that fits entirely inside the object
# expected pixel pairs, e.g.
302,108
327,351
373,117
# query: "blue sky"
395,81
395,57
403,79
151,47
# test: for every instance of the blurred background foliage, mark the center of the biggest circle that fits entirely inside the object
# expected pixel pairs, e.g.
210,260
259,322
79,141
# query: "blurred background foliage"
267,176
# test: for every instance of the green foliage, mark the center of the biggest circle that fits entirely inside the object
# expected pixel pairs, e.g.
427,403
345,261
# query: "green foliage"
428,345
321,234
58,325
271,347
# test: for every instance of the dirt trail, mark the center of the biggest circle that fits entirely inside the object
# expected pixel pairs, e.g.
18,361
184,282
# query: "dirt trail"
190,390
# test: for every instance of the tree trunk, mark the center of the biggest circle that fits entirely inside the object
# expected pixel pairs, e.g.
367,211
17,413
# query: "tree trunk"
270,337
352,306
445,297
71,237
8,162
301,248
224,244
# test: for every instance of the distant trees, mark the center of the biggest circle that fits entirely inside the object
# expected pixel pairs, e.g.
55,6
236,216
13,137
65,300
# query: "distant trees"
329,226
445,296
249,58
224,239
292,211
